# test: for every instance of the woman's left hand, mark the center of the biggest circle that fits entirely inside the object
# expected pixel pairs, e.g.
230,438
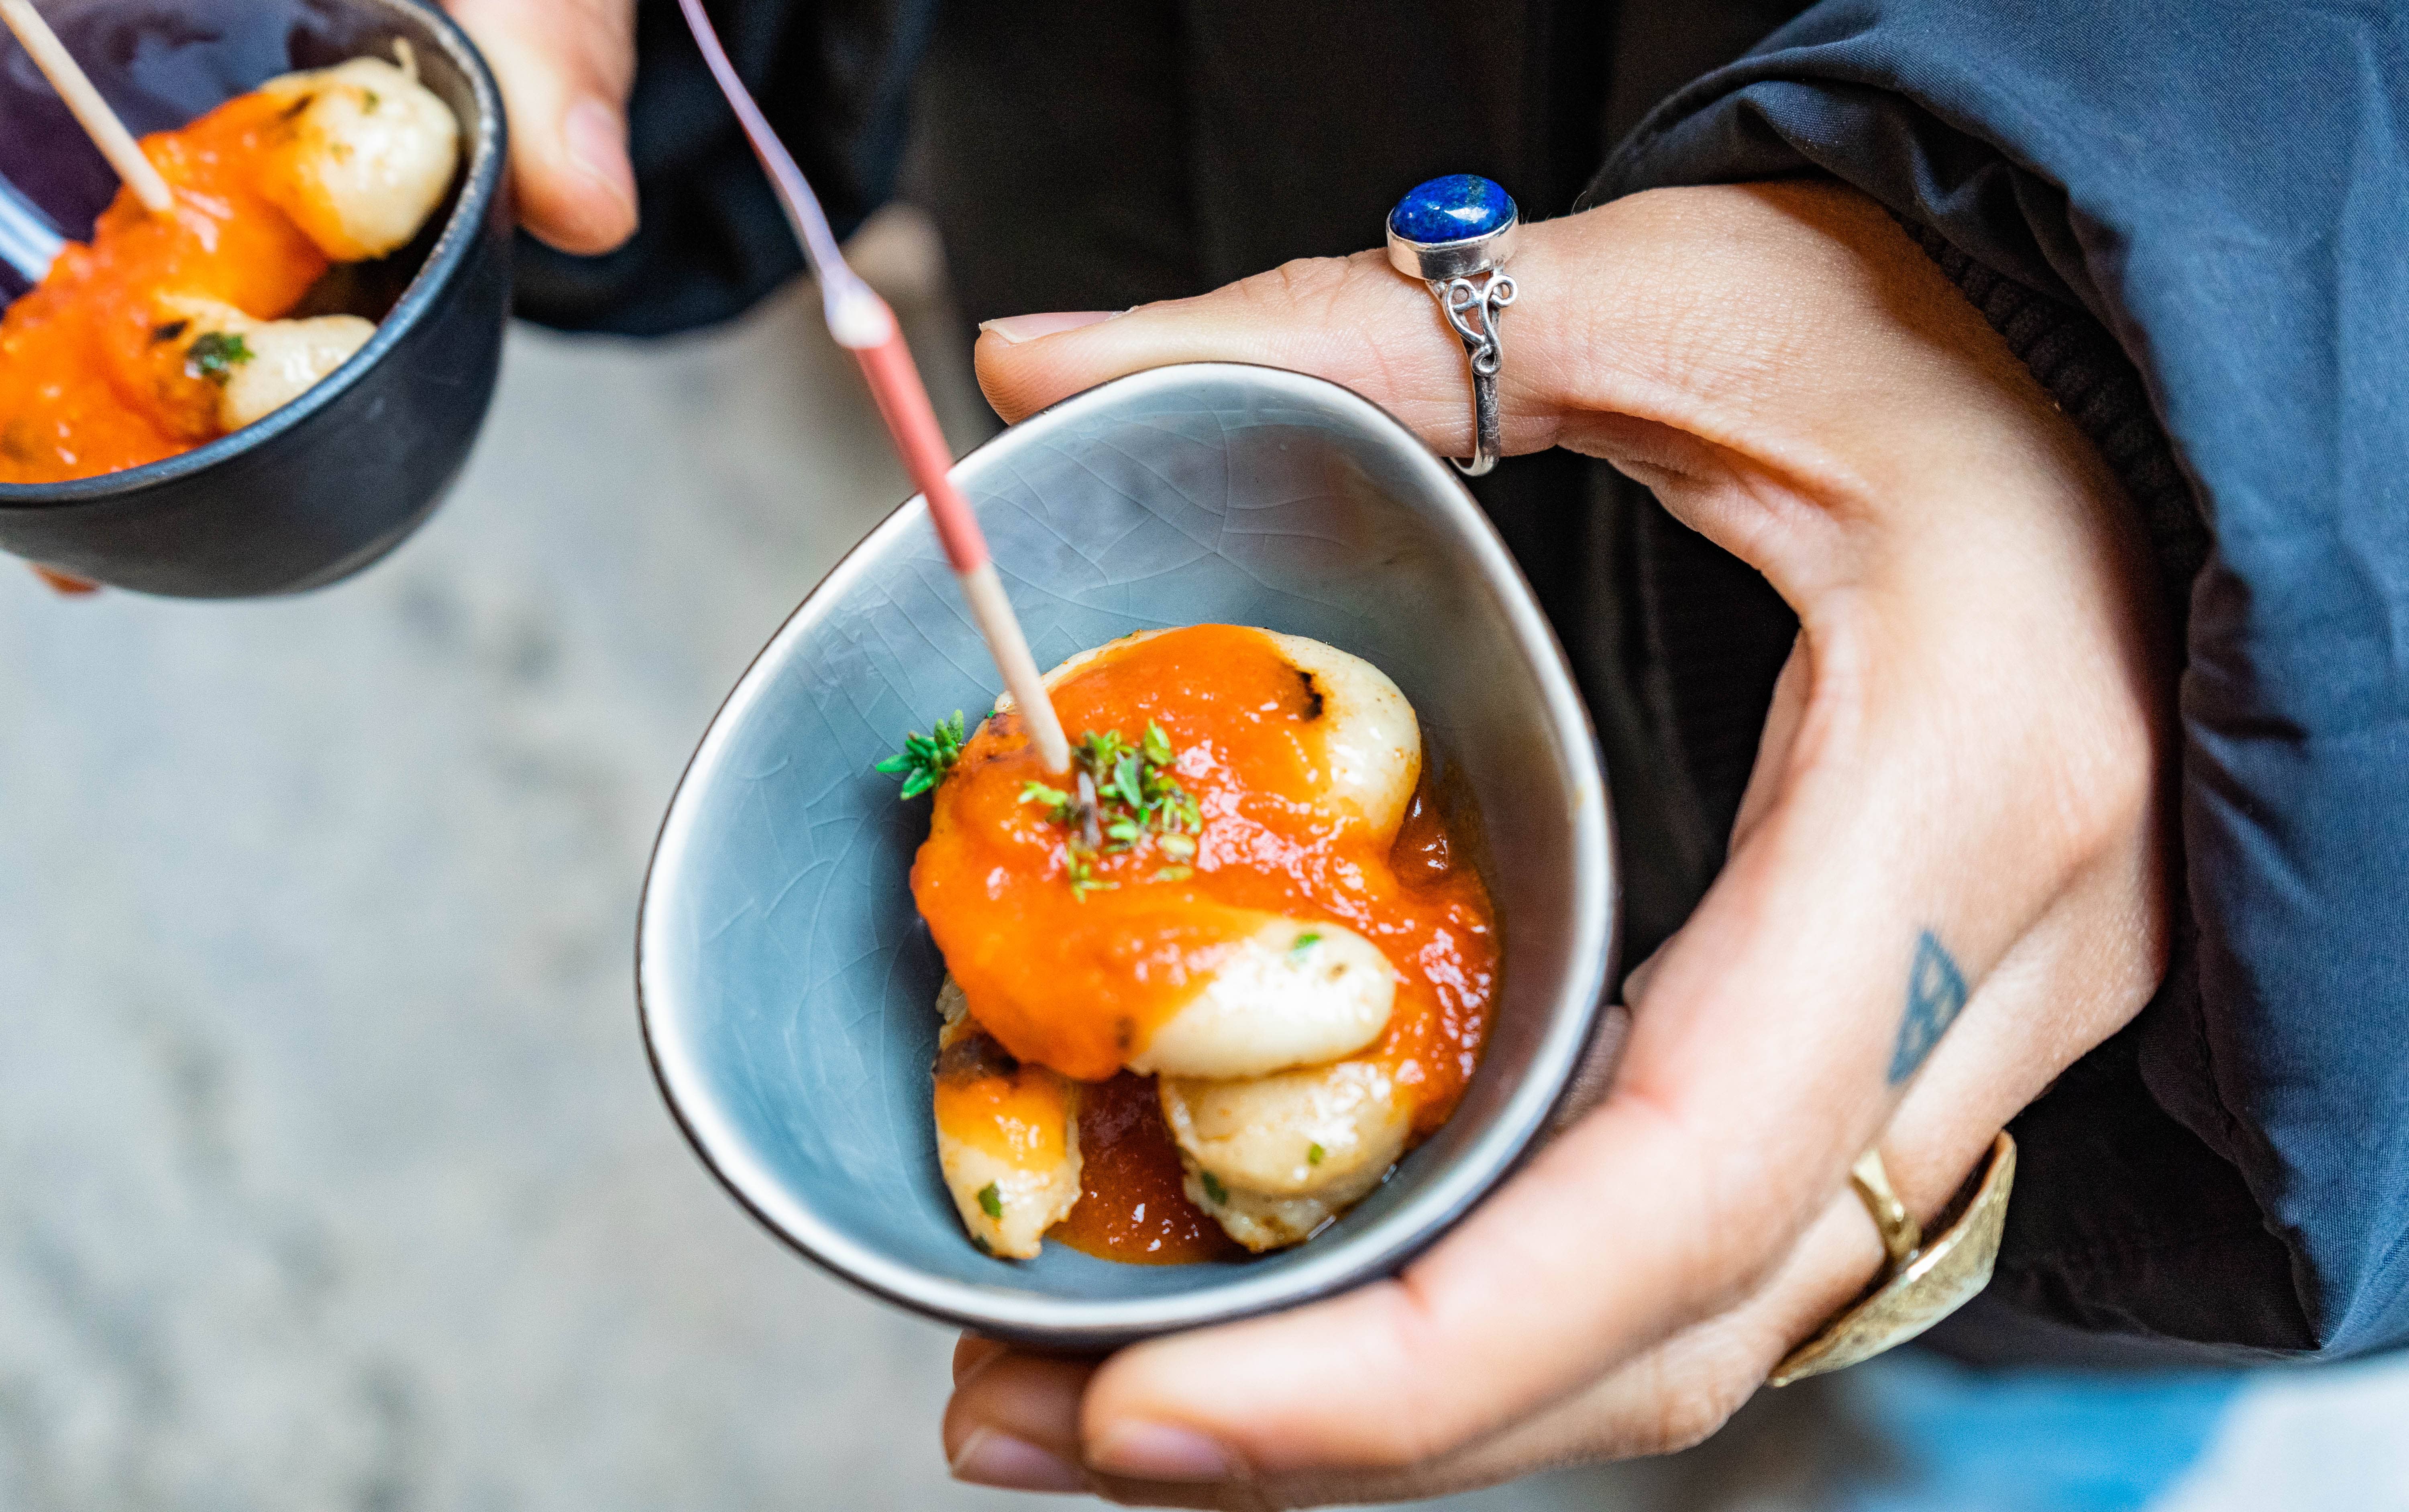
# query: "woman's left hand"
1951,846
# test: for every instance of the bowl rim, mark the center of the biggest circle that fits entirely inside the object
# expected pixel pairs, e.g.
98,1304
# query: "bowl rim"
482,181
1372,1253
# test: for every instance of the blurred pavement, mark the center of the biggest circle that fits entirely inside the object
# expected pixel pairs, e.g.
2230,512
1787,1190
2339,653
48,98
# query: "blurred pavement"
331,1174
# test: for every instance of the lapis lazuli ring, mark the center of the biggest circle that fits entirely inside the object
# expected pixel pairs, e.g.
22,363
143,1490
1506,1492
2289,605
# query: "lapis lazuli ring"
1449,233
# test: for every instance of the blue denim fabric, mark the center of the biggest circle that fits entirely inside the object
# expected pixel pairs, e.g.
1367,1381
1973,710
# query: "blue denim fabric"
2024,1441
2225,188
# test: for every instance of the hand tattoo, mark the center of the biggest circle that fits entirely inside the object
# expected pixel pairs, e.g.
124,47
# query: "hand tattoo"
1936,989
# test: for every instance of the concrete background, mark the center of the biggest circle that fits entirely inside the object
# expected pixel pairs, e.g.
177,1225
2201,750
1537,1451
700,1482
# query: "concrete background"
331,1174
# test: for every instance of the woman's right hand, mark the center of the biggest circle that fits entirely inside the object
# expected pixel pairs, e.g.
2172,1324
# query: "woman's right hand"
565,67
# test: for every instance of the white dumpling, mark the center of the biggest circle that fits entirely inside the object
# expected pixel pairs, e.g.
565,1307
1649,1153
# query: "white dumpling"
1029,1197
1372,740
1290,993
287,356
365,156
261,366
1275,1157
1010,1158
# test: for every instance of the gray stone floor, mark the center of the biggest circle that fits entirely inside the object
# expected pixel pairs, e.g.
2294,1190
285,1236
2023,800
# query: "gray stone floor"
331,1176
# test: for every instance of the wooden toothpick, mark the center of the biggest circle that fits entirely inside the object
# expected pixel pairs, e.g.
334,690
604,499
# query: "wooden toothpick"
91,111
865,326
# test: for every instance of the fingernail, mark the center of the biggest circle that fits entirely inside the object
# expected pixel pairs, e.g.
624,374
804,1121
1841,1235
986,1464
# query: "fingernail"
1157,1451
1015,329
988,1458
597,137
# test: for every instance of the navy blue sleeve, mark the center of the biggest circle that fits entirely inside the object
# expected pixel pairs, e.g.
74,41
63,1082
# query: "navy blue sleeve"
2223,189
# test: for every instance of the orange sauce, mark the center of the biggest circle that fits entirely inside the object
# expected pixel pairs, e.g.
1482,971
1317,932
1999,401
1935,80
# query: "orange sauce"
92,376
1014,1112
1132,1204
1079,984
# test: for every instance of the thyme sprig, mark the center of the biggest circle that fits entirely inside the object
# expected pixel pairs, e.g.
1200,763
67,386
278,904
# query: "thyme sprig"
1125,797
925,759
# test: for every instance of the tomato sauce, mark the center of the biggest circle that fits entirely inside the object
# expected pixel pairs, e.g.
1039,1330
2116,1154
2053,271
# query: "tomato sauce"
1016,1113
1133,1206
1078,981
92,379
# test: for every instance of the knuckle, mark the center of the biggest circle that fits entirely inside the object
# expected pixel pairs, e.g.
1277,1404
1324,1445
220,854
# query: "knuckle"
2106,783
1736,1190
1433,1420
1308,284
1693,1387
1690,1411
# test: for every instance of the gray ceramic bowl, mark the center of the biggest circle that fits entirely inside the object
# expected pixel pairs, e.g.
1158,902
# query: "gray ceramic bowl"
335,479
786,983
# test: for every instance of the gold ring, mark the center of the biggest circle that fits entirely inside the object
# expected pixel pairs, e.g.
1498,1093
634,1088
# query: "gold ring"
1920,1283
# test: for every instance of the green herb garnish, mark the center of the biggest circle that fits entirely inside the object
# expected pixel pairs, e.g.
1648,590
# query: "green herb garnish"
991,1199
1127,799
1083,876
1313,1154
925,759
1215,1193
1303,943
215,354
1053,798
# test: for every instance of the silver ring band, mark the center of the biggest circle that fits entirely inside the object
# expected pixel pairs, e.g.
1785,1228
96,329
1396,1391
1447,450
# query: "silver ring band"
1465,274
1473,314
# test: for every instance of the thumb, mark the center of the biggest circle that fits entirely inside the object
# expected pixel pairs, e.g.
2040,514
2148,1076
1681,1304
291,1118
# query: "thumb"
564,67
1355,319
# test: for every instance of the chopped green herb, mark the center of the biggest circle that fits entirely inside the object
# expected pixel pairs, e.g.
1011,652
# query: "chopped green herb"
1313,1154
1053,798
991,1199
1126,775
1083,876
983,1246
215,354
1303,943
369,96
925,759
1126,799
1215,1193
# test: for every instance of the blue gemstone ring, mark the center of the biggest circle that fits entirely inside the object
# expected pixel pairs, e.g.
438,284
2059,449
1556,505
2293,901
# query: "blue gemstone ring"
1455,234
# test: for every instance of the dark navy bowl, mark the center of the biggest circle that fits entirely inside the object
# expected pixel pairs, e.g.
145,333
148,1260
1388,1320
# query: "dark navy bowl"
787,984
335,479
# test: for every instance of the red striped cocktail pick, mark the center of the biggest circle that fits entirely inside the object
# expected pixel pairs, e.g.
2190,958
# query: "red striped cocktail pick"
865,325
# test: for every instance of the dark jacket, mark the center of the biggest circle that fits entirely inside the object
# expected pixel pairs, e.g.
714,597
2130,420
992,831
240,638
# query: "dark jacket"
2190,217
